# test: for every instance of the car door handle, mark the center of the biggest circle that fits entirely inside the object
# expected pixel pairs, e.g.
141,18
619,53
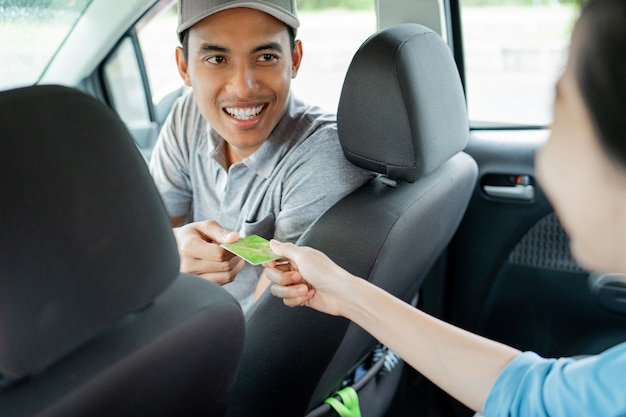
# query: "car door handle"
520,187
516,192
610,290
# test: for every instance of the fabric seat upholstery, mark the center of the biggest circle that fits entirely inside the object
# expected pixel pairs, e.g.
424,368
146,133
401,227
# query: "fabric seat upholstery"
95,319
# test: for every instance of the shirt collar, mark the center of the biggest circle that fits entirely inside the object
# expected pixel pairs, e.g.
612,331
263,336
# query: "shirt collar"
263,160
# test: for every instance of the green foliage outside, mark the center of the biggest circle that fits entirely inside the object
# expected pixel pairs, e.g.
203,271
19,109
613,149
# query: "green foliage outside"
333,4
369,4
487,3
42,4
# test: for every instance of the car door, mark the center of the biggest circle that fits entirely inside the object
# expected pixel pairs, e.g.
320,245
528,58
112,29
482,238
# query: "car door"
139,77
509,273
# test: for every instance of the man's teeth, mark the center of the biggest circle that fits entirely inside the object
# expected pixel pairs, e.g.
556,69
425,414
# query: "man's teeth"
244,114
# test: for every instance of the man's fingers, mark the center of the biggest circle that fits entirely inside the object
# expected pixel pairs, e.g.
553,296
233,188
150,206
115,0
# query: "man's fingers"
214,232
230,237
198,249
223,277
224,271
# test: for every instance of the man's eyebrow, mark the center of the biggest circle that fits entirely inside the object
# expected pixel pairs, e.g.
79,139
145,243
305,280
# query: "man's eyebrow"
207,47
275,46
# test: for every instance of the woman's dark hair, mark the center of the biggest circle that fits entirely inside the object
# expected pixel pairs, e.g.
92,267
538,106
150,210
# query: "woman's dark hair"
600,70
184,40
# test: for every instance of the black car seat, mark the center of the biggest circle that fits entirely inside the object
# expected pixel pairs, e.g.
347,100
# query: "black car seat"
95,319
402,114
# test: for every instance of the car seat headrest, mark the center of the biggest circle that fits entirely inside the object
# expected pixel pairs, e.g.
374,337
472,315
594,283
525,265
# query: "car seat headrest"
402,109
85,237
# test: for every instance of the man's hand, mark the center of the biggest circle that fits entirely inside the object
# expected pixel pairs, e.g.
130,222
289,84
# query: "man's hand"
201,254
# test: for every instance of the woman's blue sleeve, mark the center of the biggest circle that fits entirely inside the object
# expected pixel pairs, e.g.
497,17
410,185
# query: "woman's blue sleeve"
532,386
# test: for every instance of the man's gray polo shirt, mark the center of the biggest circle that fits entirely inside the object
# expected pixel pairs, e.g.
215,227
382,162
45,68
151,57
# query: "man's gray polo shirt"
277,192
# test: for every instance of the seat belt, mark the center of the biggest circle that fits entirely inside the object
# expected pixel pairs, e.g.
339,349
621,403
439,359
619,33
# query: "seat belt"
349,404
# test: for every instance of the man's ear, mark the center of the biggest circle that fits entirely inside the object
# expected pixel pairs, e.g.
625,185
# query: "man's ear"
182,66
296,59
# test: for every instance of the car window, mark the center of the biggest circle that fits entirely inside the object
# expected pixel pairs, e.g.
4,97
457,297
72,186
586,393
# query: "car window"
129,95
125,85
23,26
514,50
330,36
158,40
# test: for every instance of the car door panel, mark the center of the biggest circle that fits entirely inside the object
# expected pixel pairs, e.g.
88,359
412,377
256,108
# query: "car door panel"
509,274
492,225
512,276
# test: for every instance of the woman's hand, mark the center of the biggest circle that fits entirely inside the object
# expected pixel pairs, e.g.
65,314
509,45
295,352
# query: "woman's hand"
310,278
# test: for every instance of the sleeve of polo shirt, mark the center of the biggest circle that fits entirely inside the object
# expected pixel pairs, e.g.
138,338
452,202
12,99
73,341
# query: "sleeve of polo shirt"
534,386
320,176
169,162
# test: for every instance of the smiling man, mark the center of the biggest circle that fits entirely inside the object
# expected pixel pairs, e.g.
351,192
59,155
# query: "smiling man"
240,155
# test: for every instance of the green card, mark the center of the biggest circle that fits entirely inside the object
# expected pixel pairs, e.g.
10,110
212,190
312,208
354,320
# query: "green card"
253,249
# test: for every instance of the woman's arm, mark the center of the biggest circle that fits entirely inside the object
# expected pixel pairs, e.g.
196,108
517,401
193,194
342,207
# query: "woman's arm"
461,363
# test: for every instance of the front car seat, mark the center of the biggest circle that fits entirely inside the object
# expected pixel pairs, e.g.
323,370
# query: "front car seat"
401,114
95,319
